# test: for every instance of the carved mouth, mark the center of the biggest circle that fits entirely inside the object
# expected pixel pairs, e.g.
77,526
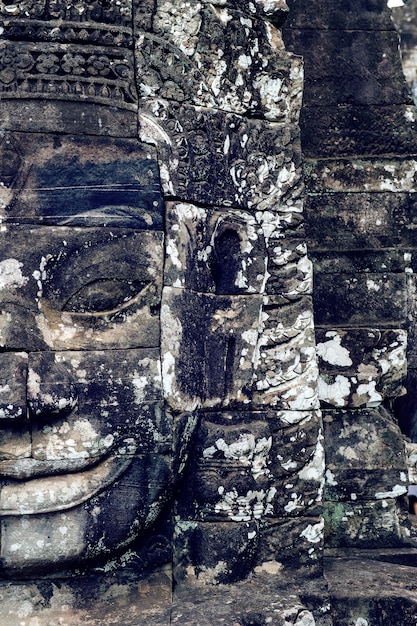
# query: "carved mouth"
55,491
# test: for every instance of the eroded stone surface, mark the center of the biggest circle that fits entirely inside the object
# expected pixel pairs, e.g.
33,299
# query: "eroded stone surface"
361,367
155,315
159,396
358,136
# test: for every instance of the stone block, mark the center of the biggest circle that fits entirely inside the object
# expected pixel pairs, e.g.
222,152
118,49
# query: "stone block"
361,367
412,313
221,59
64,117
91,599
208,347
215,251
362,222
235,252
286,372
215,552
374,261
405,408
257,600
249,470
79,181
358,175
252,363
67,518
365,439
291,271
13,376
64,70
213,158
382,297
350,130
411,452
14,444
287,546
79,288
358,485
341,67
86,403
373,524
275,12
371,589
352,15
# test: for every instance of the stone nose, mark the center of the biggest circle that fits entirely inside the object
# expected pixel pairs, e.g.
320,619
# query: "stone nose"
13,380
34,385
50,388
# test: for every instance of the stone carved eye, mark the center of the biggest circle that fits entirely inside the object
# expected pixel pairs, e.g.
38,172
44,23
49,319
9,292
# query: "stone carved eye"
103,296
101,276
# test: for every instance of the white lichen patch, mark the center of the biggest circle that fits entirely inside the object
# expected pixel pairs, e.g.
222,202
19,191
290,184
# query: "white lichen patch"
367,372
269,567
172,252
180,22
367,395
33,383
6,196
77,439
40,274
255,504
11,276
335,393
392,358
314,470
47,543
209,575
247,450
298,615
285,367
140,384
313,533
395,492
333,352
330,478
297,417
295,503
63,332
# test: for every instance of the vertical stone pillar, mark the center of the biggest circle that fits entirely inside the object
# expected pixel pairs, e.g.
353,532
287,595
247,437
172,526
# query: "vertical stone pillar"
220,98
358,137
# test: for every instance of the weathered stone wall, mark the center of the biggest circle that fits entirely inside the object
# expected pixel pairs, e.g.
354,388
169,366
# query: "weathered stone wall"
359,140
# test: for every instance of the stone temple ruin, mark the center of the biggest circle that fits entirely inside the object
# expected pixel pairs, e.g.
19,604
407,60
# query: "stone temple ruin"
194,430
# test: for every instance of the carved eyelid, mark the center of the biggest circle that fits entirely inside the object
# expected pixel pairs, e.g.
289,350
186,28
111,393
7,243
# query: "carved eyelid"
126,303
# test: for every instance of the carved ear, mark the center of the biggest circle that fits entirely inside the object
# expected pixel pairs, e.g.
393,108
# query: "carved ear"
226,261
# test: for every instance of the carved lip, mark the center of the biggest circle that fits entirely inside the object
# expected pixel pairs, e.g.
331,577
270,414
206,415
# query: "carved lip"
58,492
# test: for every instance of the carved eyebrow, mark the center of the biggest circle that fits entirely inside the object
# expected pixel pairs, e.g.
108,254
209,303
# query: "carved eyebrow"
123,192
121,186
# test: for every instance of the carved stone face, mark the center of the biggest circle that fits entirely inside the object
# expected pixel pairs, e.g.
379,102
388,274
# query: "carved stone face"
86,460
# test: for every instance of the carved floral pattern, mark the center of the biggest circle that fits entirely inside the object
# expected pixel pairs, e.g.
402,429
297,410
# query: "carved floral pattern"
105,11
98,65
66,73
11,60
